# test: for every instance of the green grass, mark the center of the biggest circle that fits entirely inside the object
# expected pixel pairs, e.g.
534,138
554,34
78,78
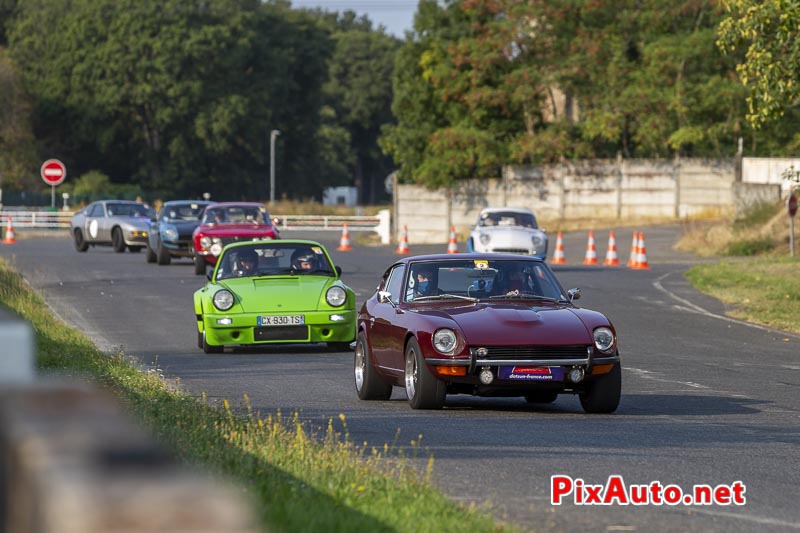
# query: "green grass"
764,290
300,482
750,247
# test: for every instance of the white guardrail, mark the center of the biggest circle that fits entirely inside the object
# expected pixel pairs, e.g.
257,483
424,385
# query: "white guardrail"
380,223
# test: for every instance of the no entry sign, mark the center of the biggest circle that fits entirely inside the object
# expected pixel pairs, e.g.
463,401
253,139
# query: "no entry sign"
791,205
53,172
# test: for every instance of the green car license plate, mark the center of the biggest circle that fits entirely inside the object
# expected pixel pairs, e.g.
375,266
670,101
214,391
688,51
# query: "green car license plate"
282,320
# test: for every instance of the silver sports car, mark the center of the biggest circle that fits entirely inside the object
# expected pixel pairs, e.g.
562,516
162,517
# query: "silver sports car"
117,223
509,230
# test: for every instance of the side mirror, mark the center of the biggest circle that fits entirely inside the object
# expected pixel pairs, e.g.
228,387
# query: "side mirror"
384,297
339,270
277,221
574,294
543,230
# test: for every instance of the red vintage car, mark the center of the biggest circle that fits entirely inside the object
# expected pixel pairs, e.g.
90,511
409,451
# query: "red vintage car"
486,325
224,223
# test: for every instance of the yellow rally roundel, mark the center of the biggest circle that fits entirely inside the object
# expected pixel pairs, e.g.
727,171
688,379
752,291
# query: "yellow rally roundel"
481,264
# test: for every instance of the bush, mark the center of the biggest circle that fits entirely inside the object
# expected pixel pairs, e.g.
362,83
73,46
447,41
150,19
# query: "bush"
750,247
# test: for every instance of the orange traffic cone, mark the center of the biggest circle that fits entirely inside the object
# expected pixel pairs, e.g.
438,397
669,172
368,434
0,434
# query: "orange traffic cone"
344,243
641,255
558,255
9,238
402,247
452,246
591,251
611,254
634,254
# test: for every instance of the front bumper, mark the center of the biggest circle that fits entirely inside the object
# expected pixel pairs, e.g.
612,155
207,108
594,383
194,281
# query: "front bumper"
135,238
179,248
243,329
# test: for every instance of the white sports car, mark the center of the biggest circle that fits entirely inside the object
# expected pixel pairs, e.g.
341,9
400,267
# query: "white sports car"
508,230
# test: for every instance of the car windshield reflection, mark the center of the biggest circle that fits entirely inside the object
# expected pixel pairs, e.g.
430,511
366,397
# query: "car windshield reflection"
273,259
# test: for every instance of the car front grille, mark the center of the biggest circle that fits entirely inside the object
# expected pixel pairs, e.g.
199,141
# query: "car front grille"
521,251
535,352
281,333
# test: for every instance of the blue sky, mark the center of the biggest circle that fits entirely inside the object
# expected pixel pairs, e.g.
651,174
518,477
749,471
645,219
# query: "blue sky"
396,15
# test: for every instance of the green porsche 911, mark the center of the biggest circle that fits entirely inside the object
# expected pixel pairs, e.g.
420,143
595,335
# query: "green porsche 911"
274,291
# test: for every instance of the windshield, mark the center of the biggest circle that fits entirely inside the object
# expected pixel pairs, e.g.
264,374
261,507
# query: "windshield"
236,214
481,279
272,258
508,218
181,212
129,210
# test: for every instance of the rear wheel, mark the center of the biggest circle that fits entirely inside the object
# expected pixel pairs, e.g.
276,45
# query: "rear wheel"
602,395
117,241
424,391
80,242
208,348
199,265
369,384
541,397
163,255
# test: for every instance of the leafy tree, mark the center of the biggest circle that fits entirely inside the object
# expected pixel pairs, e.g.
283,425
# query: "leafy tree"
766,30
17,145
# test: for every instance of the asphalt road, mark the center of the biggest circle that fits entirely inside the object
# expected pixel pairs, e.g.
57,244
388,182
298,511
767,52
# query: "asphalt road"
706,399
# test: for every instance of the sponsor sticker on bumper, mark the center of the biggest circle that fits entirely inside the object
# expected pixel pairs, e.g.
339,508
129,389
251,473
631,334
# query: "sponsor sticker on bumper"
531,373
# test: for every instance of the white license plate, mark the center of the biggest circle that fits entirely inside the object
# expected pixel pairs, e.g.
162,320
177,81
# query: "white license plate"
284,320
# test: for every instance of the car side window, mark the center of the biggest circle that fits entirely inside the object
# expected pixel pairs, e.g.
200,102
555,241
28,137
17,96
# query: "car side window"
394,283
96,211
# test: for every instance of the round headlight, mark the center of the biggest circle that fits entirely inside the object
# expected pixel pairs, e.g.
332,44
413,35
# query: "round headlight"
335,296
170,234
603,339
538,241
444,340
216,249
223,299
485,238
205,242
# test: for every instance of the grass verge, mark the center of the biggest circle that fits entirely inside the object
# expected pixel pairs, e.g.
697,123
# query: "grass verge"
763,290
300,482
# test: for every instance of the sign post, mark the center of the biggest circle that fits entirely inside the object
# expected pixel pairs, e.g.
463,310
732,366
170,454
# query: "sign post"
53,173
791,208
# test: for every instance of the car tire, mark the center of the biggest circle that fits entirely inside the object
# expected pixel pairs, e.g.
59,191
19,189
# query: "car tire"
602,395
117,241
200,339
199,265
163,255
424,391
80,242
541,397
149,254
208,348
369,385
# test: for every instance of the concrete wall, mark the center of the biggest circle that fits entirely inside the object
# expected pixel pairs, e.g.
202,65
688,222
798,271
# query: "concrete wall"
586,189
771,170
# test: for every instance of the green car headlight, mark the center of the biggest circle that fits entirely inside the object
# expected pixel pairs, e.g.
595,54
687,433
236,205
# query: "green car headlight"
603,339
223,299
335,296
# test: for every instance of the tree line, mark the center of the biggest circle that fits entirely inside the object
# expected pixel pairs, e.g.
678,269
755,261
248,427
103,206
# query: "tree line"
179,97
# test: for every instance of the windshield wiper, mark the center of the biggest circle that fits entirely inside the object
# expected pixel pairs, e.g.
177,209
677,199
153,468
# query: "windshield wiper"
445,296
528,295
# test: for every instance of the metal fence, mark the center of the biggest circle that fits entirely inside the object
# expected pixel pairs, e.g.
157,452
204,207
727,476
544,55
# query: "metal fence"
379,223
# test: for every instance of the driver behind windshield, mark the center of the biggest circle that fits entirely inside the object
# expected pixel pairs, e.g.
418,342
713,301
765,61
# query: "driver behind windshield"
246,263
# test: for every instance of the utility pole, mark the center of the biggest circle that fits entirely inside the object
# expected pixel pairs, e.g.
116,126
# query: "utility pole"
272,136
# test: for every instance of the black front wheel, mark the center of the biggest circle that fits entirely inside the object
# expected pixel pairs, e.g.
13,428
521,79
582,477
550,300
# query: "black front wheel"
424,391
199,265
208,348
149,254
80,242
602,395
369,385
117,241
163,255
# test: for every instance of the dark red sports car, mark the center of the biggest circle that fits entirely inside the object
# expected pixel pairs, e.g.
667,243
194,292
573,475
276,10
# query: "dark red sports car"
486,325
225,223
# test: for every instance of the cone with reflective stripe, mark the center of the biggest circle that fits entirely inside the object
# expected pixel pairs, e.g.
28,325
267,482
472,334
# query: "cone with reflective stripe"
452,246
591,251
641,255
9,238
558,255
611,253
634,254
402,247
344,243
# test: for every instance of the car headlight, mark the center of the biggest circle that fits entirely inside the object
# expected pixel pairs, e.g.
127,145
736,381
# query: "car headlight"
485,238
335,296
223,299
170,234
205,242
603,339
538,241
445,340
